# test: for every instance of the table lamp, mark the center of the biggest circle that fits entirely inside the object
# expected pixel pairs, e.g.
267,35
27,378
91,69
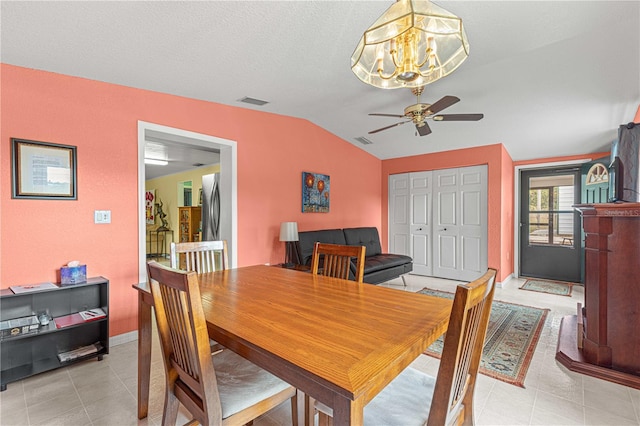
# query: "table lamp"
289,234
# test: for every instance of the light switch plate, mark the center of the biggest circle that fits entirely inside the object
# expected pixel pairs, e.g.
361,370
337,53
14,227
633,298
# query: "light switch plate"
102,216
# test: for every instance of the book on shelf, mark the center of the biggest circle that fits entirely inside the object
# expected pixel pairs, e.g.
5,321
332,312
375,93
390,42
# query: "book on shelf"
80,317
68,320
18,289
92,314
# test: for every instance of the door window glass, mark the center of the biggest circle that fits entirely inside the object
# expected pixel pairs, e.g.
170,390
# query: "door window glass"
550,211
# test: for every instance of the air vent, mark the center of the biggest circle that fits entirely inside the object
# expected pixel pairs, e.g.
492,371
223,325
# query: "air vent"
363,140
252,101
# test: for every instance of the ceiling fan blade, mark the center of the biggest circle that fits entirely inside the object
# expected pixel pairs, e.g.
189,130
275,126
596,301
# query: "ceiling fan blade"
443,103
423,130
388,127
386,115
458,117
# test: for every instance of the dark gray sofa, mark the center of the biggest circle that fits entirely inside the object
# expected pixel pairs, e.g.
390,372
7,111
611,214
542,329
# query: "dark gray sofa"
378,267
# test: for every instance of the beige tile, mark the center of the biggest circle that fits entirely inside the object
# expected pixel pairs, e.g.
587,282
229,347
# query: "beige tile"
606,389
122,417
52,388
546,418
595,416
516,401
120,403
561,382
550,406
610,402
13,406
635,400
97,390
75,417
489,417
51,408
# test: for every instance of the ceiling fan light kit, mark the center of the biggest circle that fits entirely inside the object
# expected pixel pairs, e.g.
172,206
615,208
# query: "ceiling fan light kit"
413,43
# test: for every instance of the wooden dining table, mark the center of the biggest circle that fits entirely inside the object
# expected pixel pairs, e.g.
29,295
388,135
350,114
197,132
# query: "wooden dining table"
338,341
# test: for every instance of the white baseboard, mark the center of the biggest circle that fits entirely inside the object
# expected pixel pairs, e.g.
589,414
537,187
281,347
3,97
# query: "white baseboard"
499,284
123,338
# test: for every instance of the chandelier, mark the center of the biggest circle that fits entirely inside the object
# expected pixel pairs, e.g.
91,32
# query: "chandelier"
413,43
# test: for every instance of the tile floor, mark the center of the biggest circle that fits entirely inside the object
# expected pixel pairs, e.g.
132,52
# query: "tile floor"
104,393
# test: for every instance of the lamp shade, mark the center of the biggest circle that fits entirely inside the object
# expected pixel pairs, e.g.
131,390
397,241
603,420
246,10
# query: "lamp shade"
412,44
289,231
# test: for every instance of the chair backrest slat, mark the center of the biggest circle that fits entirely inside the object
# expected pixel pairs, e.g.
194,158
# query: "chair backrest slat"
337,260
200,256
462,351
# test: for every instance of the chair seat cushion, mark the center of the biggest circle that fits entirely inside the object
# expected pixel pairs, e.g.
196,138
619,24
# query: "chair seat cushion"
405,401
241,383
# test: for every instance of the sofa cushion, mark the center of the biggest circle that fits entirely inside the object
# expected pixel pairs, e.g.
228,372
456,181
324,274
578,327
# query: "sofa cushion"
367,237
384,261
307,240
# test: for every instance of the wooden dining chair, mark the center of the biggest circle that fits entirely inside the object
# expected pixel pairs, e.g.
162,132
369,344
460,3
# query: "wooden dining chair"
200,256
336,260
415,398
224,389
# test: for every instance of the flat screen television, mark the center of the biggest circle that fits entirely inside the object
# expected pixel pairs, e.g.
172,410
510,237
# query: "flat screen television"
624,171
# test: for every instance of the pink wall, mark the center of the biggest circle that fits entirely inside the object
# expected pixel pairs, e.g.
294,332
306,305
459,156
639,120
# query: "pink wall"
506,214
37,237
500,193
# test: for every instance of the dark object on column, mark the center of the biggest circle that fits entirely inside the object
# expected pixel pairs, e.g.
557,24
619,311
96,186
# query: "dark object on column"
608,323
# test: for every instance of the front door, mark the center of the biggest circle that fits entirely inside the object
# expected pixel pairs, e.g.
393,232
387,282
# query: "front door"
549,227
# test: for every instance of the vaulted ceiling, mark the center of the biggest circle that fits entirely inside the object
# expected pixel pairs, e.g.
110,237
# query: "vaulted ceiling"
551,77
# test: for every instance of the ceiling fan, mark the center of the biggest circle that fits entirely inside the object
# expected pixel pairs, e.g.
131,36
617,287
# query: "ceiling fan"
418,113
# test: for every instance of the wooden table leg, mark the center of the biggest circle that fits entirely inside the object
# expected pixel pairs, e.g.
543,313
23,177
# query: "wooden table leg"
144,355
346,412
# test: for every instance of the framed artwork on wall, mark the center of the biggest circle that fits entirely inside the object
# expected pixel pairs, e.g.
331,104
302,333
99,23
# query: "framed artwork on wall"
43,170
149,201
316,188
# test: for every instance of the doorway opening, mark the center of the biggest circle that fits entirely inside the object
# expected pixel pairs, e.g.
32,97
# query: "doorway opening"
228,184
549,226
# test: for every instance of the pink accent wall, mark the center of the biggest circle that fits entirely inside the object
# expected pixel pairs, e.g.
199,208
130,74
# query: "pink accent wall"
637,117
500,193
506,214
37,237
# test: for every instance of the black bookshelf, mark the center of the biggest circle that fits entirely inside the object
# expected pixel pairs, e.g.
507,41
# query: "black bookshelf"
35,351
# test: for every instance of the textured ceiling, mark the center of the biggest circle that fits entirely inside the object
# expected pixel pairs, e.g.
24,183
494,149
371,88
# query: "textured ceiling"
552,78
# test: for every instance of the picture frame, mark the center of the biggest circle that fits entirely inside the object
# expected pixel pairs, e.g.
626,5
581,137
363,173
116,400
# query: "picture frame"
316,188
43,170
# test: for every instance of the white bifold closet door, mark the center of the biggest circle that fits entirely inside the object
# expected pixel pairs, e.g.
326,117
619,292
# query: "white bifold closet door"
439,218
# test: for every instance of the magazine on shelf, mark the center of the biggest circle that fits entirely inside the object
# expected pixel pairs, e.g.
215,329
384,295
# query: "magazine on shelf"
80,352
17,289
92,314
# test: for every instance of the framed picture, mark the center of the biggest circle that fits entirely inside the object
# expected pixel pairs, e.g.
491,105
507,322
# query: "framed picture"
43,170
316,188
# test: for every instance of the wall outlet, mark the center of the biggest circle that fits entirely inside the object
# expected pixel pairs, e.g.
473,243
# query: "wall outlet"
102,216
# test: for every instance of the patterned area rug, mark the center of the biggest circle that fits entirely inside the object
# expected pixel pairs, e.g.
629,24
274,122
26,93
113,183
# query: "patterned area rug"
512,337
558,288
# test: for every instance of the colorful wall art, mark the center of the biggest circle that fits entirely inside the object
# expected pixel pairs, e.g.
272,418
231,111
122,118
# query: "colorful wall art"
315,193
150,199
